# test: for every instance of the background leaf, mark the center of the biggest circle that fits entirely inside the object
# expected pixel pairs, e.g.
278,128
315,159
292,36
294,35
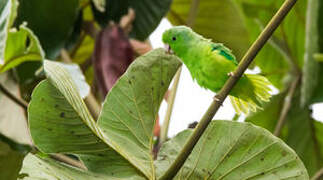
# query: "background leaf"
21,46
232,150
78,78
268,117
35,167
111,57
148,14
7,14
219,20
11,157
130,109
60,122
307,143
311,69
285,49
51,20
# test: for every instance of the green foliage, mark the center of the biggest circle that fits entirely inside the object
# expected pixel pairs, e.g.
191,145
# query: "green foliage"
311,69
232,150
16,46
120,143
148,14
51,20
60,121
35,167
286,48
11,157
226,24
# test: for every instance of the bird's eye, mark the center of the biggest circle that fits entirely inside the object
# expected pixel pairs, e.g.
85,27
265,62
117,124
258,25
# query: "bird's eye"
174,38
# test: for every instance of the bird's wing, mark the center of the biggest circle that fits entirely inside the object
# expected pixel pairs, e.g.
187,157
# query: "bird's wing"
224,51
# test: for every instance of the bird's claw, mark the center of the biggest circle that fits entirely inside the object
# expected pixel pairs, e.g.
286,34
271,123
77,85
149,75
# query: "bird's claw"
216,98
231,74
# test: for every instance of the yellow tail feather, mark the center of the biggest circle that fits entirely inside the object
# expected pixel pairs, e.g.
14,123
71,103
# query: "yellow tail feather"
250,93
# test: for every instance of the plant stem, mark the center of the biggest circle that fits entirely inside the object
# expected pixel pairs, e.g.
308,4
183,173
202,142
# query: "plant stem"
67,160
15,99
318,175
171,100
193,12
216,104
286,106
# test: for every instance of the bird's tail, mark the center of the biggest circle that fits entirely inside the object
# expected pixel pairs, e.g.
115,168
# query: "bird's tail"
250,93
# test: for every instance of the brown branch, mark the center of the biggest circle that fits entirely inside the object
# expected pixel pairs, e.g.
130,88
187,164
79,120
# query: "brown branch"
22,103
318,175
216,104
67,160
286,106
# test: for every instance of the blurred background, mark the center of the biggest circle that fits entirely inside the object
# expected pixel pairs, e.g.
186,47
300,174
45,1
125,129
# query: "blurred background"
99,39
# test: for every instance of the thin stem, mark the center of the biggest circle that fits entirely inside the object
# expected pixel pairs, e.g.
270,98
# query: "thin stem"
193,12
216,104
14,98
67,160
286,107
318,175
171,100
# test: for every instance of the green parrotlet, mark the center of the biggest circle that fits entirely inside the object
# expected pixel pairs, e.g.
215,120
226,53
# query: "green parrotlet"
211,64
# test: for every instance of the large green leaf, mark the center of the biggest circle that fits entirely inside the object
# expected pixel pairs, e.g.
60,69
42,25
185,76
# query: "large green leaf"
11,157
60,122
130,109
51,20
216,19
148,14
35,167
232,150
118,145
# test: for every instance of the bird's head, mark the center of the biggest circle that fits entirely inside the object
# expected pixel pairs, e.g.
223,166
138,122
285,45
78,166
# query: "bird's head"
176,38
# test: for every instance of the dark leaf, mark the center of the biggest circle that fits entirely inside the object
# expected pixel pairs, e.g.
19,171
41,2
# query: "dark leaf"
51,20
11,157
112,56
148,14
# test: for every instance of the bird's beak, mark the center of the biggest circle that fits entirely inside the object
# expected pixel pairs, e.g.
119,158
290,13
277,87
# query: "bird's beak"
168,49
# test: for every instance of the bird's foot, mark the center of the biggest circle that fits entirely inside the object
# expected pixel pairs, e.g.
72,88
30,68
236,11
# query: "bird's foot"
231,74
216,98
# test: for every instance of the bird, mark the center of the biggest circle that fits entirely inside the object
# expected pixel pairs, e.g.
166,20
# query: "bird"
211,64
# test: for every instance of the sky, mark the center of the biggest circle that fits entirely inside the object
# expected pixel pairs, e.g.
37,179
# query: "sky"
192,101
